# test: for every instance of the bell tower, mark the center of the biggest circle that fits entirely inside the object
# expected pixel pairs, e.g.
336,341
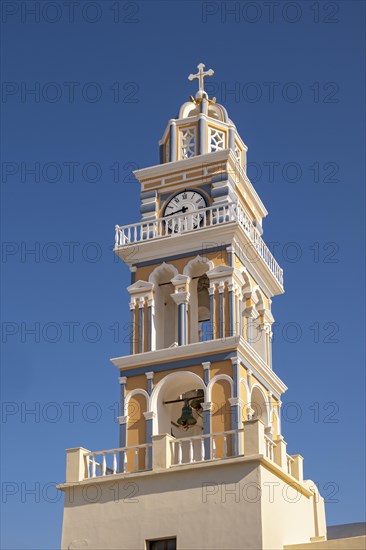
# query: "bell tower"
203,281
200,404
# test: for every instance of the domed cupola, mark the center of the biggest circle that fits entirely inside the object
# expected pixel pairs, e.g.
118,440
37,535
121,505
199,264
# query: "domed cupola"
202,127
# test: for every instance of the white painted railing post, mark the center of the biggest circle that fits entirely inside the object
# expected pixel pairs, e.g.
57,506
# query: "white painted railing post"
76,464
213,447
254,443
179,452
202,448
225,446
136,460
191,451
162,451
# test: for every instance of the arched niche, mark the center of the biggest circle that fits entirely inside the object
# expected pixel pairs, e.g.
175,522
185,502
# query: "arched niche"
165,315
136,405
221,391
166,415
169,388
199,301
259,404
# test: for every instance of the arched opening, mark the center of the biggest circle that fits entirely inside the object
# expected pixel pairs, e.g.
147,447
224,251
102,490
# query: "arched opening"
259,405
136,430
165,316
203,307
244,394
175,387
221,417
199,301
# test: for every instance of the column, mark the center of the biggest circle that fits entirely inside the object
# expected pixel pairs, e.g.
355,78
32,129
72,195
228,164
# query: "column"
231,309
239,321
269,351
232,139
235,405
222,312
181,298
268,428
182,323
122,419
207,428
141,324
211,292
150,377
149,417
249,378
173,141
206,371
202,129
122,441
250,330
150,315
132,305
249,410
235,424
230,255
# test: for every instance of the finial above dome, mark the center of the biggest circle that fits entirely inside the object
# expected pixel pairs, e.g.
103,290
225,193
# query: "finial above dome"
200,77
202,126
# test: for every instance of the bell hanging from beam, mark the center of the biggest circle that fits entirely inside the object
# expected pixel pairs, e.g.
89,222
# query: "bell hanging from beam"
187,419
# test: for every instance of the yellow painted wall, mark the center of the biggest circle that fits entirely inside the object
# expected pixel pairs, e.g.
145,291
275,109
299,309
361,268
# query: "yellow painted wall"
136,382
136,430
221,367
221,415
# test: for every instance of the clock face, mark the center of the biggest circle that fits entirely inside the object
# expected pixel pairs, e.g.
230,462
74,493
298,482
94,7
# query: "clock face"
184,211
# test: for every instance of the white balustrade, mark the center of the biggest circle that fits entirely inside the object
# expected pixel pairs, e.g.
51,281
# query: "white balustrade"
230,212
100,468
188,450
185,450
270,446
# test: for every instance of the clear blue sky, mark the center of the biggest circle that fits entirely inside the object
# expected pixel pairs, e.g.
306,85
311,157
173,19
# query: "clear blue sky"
298,72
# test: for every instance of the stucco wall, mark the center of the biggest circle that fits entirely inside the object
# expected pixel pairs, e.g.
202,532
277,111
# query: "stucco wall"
234,505
176,503
288,516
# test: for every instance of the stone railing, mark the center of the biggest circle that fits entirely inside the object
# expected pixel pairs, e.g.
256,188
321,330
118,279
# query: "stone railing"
130,459
167,452
215,446
230,212
270,447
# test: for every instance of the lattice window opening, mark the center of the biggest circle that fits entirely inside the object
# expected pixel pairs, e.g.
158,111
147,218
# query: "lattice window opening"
217,140
188,143
167,151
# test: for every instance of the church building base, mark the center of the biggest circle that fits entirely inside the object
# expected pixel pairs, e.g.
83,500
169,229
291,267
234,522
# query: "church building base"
242,503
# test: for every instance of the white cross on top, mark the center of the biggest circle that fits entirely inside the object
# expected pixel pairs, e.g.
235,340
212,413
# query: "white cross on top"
200,76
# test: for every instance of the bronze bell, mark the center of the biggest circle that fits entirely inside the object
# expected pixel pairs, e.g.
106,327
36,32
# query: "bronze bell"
187,419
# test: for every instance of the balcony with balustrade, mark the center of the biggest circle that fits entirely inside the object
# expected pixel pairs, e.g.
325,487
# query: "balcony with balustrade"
222,223
167,453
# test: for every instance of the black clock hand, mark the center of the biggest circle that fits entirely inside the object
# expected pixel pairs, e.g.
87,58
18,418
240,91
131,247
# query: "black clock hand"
184,209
